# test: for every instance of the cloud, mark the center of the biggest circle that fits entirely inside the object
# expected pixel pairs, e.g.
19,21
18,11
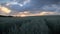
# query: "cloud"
49,13
32,6
4,10
21,4
27,13
4,1
52,7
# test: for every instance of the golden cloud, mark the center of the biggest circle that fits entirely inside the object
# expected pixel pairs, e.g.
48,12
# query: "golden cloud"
5,10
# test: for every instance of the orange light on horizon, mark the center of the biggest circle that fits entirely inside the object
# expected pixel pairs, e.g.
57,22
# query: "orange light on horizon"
26,14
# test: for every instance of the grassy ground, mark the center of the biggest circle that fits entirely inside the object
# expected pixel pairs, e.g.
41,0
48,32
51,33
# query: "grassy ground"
30,25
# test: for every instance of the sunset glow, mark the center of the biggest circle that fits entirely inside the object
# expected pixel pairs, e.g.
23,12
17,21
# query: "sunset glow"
25,14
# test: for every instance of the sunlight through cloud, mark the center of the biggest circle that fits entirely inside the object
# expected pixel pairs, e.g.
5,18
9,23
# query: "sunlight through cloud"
5,10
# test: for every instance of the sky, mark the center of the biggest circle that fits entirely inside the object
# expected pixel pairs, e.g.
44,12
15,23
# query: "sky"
31,5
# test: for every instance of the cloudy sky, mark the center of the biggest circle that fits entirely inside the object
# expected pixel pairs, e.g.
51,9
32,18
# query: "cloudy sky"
31,5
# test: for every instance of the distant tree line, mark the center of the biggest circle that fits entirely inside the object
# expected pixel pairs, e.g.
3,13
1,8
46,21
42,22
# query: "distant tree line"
5,16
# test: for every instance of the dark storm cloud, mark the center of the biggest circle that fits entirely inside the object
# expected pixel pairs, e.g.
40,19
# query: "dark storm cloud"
52,7
45,1
38,4
55,1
